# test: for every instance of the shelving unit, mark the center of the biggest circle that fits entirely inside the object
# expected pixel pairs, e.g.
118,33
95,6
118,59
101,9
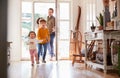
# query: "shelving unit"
104,36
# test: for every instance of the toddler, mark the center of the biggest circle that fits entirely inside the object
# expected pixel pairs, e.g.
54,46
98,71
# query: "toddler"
32,42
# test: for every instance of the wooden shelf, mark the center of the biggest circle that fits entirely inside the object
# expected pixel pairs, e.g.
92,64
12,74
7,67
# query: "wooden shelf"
103,41
96,65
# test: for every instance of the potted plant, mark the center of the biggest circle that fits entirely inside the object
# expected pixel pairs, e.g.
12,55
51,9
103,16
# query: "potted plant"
93,27
100,20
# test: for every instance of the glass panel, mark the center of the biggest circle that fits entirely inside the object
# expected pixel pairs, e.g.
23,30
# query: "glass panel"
64,29
26,10
26,26
87,9
63,49
94,14
89,24
91,10
41,10
91,15
64,11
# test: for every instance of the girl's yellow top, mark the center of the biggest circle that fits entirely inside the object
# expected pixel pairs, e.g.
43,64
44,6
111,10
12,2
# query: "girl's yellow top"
43,34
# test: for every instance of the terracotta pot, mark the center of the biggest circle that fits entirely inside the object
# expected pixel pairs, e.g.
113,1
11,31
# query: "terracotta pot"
100,27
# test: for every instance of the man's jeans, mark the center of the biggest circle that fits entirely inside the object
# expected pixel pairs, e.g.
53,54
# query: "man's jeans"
42,48
50,44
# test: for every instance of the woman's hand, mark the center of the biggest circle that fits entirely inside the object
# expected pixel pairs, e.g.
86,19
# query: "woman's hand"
40,41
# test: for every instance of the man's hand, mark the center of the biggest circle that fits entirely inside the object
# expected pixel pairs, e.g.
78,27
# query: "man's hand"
53,29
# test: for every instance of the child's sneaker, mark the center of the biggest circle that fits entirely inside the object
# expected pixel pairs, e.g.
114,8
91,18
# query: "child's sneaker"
43,61
37,62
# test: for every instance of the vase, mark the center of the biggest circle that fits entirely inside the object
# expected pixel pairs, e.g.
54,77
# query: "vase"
93,28
100,27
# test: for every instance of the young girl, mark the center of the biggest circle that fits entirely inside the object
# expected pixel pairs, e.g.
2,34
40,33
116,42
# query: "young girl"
32,42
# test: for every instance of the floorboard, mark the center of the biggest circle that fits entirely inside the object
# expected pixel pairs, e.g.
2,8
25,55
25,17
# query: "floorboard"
53,69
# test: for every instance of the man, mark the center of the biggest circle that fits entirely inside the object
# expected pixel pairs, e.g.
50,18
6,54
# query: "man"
51,27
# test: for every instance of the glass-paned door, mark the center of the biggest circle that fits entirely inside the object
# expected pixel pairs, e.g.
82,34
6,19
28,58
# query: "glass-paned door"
41,11
32,11
64,30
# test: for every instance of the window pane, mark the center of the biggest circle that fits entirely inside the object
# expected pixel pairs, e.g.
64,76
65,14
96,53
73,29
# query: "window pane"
63,49
91,15
64,11
64,30
94,13
26,10
89,24
41,10
88,11
26,26
91,10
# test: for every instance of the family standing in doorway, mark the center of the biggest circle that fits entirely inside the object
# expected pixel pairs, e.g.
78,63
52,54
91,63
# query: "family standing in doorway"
45,38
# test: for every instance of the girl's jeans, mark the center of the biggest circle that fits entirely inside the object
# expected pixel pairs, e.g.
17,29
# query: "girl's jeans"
42,48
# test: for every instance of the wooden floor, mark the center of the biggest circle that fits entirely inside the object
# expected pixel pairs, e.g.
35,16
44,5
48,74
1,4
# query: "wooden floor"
53,69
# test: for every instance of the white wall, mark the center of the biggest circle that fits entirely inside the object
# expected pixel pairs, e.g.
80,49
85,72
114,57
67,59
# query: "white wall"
75,5
14,28
82,4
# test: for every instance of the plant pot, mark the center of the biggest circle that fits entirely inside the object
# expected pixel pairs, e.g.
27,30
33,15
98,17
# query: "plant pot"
100,27
93,28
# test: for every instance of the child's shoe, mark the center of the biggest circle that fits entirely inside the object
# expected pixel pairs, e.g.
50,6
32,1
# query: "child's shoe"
37,62
43,61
